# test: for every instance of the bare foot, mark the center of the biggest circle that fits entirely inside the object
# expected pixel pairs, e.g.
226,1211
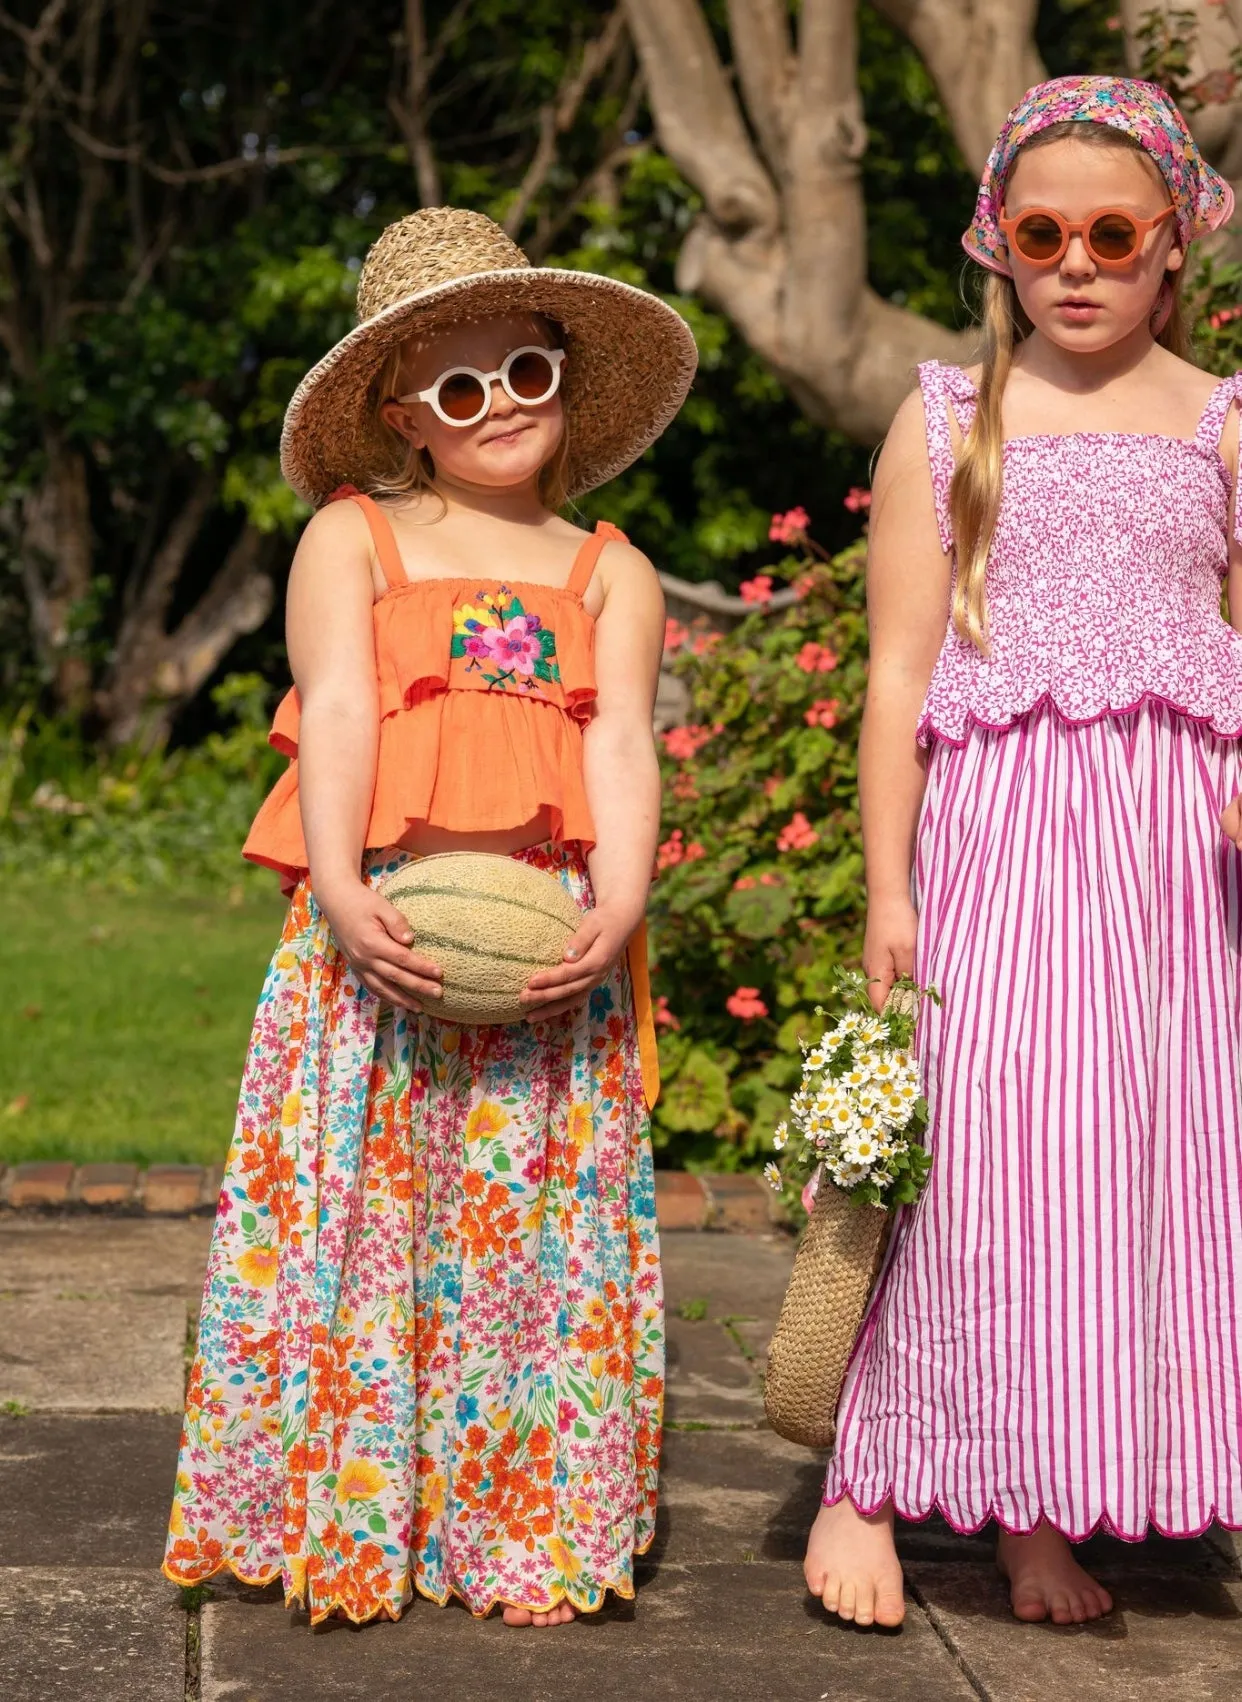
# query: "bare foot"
1046,1582
561,1614
852,1565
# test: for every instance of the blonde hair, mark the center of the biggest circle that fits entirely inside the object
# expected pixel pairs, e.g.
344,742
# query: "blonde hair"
978,478
395,467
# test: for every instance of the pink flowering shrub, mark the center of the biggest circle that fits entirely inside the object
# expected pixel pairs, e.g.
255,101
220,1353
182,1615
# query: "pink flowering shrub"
759,894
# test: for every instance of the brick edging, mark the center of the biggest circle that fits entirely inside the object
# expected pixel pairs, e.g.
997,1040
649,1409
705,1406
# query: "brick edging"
740,1201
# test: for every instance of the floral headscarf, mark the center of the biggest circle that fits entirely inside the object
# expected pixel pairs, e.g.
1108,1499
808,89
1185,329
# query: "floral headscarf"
1202,198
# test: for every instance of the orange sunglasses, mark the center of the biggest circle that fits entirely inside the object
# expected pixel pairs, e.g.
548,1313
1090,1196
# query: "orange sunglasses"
1110,235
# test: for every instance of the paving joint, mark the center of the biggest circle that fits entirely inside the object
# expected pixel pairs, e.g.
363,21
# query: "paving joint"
945,1638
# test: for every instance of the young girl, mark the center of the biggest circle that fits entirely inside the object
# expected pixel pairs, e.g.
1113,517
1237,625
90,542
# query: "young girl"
431,1348
1053,1344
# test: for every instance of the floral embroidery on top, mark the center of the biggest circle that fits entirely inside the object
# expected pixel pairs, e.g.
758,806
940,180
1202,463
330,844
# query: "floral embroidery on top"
503,642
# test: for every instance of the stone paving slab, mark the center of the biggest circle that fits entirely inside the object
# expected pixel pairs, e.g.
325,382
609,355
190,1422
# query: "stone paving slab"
707,1379
86,1491
104,1255
708,1633
1172,1636
110,1636
90,1355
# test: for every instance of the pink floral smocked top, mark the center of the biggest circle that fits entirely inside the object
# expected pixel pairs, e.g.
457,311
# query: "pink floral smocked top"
1104,579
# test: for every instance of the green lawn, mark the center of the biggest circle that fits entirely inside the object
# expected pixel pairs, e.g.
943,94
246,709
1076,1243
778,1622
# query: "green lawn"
125,1020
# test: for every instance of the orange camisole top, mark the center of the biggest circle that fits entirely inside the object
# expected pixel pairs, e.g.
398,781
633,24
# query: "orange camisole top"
484,686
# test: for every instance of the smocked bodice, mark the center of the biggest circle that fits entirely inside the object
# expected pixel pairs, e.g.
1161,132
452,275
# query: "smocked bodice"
1104,578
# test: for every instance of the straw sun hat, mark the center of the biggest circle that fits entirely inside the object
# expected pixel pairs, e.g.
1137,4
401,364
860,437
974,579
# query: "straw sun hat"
630,358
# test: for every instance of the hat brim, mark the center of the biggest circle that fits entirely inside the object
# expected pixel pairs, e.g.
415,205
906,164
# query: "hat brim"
630,362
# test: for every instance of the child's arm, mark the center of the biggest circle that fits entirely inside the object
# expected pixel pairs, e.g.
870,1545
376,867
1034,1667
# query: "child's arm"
907,603
332,654
622,779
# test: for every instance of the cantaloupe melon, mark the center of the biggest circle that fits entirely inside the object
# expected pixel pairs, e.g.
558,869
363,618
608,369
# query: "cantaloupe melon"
489,922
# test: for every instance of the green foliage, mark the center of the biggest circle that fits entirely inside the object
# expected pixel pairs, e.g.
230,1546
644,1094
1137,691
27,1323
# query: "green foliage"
759,898
131,820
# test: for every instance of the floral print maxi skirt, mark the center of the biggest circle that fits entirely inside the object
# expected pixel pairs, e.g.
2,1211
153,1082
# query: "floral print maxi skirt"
431,1347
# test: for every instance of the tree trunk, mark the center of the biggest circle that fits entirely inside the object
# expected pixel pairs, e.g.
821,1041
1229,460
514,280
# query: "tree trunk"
56,567
781,245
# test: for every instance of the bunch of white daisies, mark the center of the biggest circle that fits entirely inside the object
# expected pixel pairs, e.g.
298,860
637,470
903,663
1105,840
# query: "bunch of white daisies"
859,1110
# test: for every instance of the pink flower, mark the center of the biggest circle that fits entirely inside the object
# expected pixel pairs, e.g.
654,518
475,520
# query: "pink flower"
671,852
767,878
694,851
675,634
858,500
1113,23
757,590
565,1417
816,658
705,641
788,528
746,1004
682,743
515,645
822,713
1226,314
663,1017
797,834
743,883
772,785
804,586
685,789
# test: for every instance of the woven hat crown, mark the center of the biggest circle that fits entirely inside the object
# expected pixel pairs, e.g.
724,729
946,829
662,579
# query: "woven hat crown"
433,246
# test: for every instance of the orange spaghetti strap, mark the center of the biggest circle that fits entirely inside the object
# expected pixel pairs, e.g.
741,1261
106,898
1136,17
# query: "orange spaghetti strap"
385,542
640,982
588,555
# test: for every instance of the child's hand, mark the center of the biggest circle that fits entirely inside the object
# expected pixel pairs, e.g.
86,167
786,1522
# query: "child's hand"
888,946
376,938
1231,821
589,957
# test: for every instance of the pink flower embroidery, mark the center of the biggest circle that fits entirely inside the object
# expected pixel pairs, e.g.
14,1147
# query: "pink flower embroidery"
516,644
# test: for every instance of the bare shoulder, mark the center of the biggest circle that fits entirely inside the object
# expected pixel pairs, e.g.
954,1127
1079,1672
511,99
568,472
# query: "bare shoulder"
621,563
904,449
334,552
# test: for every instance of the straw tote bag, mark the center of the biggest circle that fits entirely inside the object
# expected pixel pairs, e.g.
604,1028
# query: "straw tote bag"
834,1272
829,1289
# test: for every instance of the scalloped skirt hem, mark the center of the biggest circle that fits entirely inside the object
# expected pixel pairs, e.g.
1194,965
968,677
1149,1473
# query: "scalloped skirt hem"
928,733
1105,1524
581,1604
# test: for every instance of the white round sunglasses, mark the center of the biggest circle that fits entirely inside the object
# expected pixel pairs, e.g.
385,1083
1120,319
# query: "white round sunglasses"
462,396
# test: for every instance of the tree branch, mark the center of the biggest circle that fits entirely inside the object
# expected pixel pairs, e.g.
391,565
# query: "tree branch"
558,115
763,54
982,57
701,127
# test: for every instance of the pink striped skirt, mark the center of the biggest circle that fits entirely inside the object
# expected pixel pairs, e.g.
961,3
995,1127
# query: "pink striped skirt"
1056,1332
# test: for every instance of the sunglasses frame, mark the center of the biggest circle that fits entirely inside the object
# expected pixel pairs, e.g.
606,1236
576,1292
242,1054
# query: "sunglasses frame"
554,357
1071,228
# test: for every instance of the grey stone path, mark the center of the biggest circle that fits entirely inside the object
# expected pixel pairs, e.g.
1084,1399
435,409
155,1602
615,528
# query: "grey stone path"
93,1317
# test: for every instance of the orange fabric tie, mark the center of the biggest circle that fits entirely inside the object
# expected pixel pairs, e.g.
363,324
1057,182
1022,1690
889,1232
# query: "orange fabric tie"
640,983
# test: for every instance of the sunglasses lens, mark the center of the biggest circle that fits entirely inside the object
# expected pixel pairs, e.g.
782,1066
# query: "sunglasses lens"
1113,237
462,397
531,376
1038,237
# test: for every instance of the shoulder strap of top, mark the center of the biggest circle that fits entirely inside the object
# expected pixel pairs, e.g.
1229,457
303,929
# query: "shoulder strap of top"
1212,426
943,388
1216,411
382,535
589,554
